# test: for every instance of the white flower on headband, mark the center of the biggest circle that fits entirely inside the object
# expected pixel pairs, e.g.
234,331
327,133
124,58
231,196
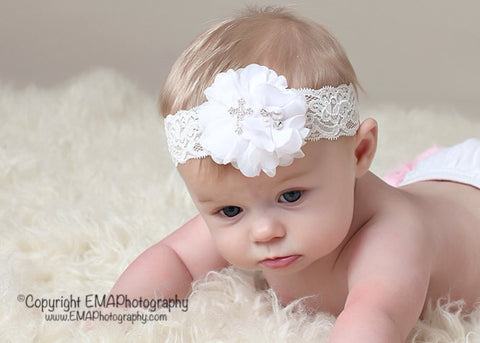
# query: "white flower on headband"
251,120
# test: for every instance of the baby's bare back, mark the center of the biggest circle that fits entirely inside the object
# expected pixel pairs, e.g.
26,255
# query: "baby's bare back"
451,213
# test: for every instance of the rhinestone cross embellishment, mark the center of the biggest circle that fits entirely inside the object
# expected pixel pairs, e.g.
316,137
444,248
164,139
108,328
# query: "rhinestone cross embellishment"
240,113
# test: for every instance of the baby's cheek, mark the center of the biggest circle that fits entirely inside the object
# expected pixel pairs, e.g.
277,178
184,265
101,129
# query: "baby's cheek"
231,248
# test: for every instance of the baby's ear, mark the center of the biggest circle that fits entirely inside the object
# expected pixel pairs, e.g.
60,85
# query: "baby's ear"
365,145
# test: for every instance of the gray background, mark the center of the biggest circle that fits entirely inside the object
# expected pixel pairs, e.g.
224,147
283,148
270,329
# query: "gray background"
410,52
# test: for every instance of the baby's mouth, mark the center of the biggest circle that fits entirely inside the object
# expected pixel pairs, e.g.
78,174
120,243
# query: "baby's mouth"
279,262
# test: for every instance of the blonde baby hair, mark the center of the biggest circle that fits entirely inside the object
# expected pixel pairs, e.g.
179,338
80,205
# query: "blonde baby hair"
298,48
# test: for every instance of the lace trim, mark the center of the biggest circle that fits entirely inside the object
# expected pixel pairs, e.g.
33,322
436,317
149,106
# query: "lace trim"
332,113
183,136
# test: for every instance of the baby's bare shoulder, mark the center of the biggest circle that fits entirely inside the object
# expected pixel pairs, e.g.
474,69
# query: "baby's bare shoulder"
389,268
392,236
395,243
397,226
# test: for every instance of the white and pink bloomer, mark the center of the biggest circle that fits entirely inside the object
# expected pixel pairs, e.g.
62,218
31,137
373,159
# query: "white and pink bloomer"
254,122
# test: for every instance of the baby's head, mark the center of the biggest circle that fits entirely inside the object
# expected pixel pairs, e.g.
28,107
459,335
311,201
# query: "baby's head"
258,154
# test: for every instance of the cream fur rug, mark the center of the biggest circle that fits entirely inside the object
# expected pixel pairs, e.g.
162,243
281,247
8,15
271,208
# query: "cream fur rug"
86,185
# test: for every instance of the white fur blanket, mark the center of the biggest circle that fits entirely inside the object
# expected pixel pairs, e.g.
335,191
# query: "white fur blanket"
86,185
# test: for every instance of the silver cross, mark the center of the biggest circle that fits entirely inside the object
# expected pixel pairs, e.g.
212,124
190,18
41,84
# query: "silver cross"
240,113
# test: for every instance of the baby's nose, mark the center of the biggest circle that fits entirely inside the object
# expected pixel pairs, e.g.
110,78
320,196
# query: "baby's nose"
267,229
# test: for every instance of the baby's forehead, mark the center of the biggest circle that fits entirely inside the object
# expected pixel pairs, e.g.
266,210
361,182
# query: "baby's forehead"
205,169
208,176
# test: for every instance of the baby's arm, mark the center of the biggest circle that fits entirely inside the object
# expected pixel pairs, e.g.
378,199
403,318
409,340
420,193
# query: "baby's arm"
388,281
168,268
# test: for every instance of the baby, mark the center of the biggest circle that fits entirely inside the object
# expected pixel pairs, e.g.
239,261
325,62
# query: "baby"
280,176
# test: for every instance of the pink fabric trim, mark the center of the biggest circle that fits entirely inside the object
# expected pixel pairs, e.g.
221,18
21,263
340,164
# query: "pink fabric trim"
395,177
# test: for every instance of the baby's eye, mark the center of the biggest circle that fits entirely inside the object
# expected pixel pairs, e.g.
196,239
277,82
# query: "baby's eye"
291,196
231,211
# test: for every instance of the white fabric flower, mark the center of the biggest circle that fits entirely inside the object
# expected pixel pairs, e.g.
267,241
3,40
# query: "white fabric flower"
251,120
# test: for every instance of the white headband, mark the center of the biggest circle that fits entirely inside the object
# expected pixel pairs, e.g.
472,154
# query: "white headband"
253,121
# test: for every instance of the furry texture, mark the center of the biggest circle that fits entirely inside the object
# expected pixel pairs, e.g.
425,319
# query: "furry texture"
86,184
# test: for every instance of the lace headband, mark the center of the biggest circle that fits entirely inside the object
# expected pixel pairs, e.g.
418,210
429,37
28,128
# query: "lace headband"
253,121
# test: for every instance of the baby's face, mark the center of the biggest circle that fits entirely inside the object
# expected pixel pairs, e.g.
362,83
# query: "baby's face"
280,224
